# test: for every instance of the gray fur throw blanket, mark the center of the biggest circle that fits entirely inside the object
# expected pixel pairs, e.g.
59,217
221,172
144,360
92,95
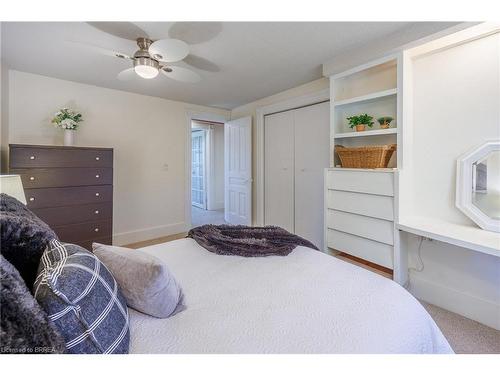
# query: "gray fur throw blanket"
247,241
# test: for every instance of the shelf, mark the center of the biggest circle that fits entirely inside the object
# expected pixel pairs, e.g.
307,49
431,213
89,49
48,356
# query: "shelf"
466,236
366,133
365,98
384,170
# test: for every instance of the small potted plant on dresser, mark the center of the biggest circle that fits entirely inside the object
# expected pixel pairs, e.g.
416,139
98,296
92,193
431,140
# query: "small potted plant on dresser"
67,120
385,122
360,122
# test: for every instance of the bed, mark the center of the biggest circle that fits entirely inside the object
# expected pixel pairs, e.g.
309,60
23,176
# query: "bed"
306,302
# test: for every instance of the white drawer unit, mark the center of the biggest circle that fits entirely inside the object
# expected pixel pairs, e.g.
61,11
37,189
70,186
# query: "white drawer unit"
379,182
359,213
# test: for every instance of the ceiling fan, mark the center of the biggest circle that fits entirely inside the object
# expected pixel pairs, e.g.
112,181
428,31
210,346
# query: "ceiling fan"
153,56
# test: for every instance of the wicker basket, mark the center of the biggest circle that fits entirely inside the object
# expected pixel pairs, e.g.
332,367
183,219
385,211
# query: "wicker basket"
365,157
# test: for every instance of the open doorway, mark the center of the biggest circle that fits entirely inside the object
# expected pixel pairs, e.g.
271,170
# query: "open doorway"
207,173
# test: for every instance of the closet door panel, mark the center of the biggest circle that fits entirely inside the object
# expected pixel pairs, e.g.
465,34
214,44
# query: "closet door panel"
312,144
279,178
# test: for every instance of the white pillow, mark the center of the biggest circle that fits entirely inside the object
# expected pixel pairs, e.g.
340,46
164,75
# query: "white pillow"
145,281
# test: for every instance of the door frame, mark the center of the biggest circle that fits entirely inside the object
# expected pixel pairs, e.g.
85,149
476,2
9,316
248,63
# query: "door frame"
205,141
261,112
190,116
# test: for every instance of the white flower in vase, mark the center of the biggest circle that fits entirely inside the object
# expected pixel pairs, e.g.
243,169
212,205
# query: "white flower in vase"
68,120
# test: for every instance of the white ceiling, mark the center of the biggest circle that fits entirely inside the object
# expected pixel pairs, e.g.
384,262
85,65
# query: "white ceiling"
242,61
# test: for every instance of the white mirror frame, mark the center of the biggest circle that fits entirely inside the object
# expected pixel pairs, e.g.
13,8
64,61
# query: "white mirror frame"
463,199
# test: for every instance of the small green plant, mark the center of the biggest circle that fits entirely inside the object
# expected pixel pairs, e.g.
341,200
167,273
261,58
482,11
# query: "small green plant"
385,120
363,119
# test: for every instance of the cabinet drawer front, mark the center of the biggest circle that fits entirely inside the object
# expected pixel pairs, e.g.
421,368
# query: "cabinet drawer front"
360,247
60,177
32,157
69,196
363,226
84,231
371,182
378,206
57,216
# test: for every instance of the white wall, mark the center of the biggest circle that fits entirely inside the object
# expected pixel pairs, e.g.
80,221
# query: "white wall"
250,110
148,134
456,108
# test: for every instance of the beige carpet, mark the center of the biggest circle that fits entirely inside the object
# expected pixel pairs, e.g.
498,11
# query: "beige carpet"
465,335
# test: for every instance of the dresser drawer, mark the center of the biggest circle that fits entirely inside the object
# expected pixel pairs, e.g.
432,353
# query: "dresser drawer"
68,196
379,206
362,181
363,226
59,177
74,233
360,247
41,157
56,216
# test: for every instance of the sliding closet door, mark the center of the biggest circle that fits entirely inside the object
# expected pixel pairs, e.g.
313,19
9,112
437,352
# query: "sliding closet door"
312,144
279,174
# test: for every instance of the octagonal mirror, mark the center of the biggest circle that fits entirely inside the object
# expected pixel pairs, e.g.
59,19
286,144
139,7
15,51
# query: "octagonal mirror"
478,185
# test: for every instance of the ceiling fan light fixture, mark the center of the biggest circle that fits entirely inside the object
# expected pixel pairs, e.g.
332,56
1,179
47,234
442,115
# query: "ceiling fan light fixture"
146,67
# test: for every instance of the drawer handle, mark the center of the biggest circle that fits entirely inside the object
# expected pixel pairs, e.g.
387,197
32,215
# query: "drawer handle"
32,157
96,212
32,178
97,158
97,176
96,230
32,199
96,194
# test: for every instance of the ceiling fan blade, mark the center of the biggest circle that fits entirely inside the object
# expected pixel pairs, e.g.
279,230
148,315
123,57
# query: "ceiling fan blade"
201,63
125,30
181,74
127,74
169,50
195,32
101,50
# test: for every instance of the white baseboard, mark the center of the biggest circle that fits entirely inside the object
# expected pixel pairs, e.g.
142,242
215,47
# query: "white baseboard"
472,307
125,238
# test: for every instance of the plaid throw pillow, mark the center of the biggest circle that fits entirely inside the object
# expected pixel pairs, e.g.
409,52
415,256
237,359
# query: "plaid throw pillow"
83,300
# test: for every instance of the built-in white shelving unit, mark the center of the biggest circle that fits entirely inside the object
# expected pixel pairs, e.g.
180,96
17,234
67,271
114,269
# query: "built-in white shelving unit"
373,89
360,204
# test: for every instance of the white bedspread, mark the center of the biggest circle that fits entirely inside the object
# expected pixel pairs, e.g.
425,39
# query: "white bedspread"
306,302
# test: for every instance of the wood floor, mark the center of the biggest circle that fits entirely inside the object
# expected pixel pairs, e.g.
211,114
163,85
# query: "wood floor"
156,241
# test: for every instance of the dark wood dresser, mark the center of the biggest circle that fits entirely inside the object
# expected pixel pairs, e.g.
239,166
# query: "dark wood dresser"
70,188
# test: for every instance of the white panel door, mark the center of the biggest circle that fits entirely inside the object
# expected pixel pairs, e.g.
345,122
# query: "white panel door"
238,171
279,178
312,145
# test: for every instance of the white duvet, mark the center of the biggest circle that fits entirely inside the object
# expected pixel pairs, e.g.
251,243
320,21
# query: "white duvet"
306,302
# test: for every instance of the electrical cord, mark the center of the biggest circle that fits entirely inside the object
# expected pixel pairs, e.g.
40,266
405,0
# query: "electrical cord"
421,267
419,256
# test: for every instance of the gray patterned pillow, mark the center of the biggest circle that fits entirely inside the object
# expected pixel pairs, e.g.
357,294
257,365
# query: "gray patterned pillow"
83,300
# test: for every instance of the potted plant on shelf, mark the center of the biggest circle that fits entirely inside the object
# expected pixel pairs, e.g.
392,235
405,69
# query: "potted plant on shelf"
67,120
360,122
385,122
